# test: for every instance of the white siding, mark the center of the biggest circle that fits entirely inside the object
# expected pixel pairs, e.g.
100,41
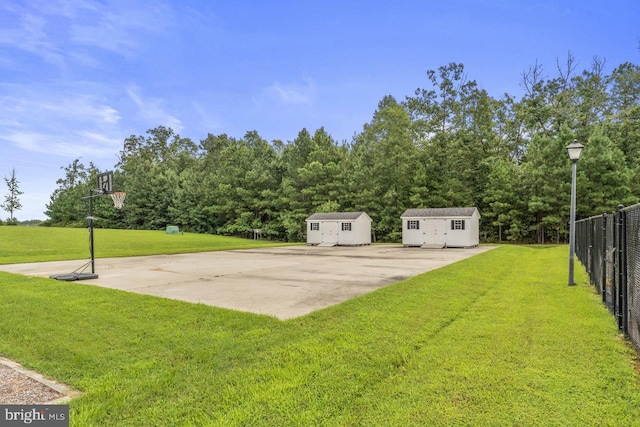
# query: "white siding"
413,237
439,231
459,238
314,237
331,231
360,233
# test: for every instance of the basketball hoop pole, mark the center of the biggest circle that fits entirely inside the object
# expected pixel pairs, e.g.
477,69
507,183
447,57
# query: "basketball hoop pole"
79,273
105,186
93,262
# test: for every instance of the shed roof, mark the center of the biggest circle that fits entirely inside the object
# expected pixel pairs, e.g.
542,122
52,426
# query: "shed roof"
336,216
438,212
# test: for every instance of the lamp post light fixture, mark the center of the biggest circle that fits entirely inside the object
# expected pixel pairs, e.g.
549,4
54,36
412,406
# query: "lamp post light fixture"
574,150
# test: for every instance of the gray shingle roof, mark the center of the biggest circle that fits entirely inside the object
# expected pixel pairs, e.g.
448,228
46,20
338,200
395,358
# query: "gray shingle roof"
438,212
335,216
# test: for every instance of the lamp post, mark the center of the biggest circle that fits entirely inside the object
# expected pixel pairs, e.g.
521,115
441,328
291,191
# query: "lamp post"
574,150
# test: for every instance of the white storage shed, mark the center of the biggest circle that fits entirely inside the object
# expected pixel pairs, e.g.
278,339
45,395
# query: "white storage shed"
441,227
339,228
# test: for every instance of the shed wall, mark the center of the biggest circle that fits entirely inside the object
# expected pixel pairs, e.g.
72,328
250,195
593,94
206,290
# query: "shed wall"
330,231
314,237
434,230
412,237
360,233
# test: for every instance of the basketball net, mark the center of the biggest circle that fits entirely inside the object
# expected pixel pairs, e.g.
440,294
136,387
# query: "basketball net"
118,199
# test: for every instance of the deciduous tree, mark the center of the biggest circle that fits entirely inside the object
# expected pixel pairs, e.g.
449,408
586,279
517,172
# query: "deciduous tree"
12,198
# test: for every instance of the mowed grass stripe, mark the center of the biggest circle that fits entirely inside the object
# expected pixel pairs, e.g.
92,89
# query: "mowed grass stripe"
498,339
531,351
348,352
38,244
489,341
133,355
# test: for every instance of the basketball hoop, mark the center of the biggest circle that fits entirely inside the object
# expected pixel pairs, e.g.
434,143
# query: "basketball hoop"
118,199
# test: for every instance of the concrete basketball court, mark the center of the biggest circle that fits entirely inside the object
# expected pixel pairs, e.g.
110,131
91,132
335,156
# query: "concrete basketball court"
284,282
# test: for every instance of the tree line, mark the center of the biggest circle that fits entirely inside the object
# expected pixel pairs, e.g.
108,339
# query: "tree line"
450,144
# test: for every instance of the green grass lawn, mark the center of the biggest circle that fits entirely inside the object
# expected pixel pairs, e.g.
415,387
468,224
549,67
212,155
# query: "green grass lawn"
35,244
495,340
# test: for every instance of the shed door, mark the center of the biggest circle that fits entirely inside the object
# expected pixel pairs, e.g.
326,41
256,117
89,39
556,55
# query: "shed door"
330,232
435,231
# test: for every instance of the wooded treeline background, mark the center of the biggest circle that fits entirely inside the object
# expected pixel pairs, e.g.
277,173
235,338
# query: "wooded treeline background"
449,145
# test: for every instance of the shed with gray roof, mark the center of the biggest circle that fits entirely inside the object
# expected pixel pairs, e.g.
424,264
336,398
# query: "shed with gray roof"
441,227
339,228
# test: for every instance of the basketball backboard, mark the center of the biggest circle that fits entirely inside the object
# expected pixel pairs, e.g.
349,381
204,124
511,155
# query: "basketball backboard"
105,182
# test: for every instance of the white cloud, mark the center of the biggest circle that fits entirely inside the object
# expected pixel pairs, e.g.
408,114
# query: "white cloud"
30,35
60,31
290,93
120,28
67,8
84,59
152,111
208,119
58,121
100,138
108,34
26,104
59,145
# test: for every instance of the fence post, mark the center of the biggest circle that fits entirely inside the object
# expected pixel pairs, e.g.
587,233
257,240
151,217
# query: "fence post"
603,285
591,224
615,303
622,269
619,266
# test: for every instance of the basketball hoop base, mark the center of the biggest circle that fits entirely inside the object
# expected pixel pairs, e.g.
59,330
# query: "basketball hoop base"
72,277
77,274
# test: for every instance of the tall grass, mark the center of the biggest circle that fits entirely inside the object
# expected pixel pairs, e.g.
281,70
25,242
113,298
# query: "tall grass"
497,339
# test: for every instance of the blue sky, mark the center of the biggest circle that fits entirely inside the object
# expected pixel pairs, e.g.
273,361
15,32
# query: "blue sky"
79,76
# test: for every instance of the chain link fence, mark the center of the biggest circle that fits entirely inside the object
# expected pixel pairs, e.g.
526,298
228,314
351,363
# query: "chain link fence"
608,246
